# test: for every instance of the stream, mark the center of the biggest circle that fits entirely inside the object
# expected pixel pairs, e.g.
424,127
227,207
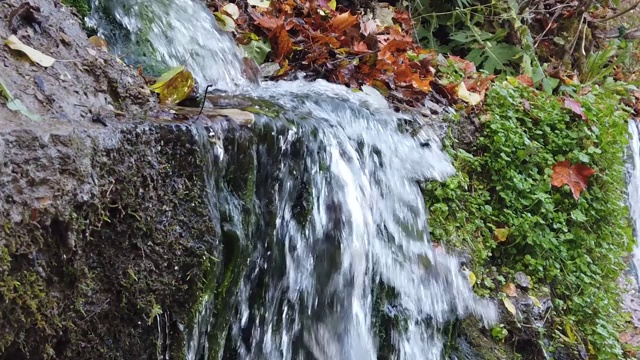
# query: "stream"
347,271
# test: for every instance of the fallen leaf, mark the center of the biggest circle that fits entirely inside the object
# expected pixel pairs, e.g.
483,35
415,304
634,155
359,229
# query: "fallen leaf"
500,234
342,22
384,15
574,106
510,289
576,176
232,10
162,80
368,27
422,84
260,3
281,43
472,278
99,42
16,105
174,86
360,47
331,4
257,50
509,305
225,22
525,80
266,22
467,96
36,56
535,300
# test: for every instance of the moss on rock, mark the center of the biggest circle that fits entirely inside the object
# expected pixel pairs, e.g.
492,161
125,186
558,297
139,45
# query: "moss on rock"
116,243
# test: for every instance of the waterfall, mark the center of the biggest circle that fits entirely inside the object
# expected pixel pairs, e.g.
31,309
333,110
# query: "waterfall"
347,268
173,32
633,184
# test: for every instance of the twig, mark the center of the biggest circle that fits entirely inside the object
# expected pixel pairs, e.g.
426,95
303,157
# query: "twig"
557,13
204,99
633,6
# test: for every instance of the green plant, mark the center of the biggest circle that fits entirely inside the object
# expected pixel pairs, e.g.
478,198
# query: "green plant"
471,28
499,333
504,182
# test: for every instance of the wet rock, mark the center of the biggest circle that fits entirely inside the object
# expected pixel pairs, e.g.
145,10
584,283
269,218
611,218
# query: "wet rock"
523,281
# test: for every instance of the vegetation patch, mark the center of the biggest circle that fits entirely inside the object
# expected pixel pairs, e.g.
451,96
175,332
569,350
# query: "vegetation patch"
502,206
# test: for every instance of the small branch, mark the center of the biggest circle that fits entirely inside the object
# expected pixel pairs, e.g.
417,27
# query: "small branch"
635,5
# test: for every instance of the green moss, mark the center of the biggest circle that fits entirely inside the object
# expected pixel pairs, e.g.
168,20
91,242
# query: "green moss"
83,7
575,246
143,245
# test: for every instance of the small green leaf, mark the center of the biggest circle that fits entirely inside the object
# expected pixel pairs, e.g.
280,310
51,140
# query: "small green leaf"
16,105
257,50
225,22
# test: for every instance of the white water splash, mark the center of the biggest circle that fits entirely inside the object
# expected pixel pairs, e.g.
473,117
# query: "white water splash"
183,32
633,188
368,224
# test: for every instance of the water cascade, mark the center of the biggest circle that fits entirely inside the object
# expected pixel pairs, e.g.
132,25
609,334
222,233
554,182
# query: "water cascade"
633,184
338,263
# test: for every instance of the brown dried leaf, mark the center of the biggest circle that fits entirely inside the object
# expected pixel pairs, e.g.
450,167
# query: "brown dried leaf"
342,22
576,176
510,289
281,44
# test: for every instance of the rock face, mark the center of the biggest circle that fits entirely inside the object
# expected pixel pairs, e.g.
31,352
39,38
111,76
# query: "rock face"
107,244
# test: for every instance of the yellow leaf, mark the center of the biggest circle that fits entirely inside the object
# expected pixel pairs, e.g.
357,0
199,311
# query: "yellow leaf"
162,80
178,88
535,300
468,97
225,22
260,3
99,42
570,334
472,278
332,4
232,10
36,56
509,305
501,234
510,289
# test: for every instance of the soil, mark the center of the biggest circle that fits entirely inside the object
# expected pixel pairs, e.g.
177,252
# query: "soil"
84,80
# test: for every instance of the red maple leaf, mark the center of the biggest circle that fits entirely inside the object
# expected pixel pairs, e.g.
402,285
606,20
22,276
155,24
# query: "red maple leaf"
576,176
574,106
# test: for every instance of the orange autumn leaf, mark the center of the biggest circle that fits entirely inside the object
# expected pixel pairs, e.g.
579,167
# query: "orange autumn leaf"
281,43
510,289
422,84
342,22
390,50
360,47
266,22
525,80
576,176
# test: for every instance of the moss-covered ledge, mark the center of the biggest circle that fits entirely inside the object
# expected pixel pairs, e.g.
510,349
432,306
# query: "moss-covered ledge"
107,242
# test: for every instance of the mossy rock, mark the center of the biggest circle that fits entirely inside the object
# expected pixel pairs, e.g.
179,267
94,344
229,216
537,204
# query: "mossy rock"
107,237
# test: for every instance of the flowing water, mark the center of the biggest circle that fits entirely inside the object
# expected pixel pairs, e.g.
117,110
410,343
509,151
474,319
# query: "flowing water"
347,271
633,184
172,32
